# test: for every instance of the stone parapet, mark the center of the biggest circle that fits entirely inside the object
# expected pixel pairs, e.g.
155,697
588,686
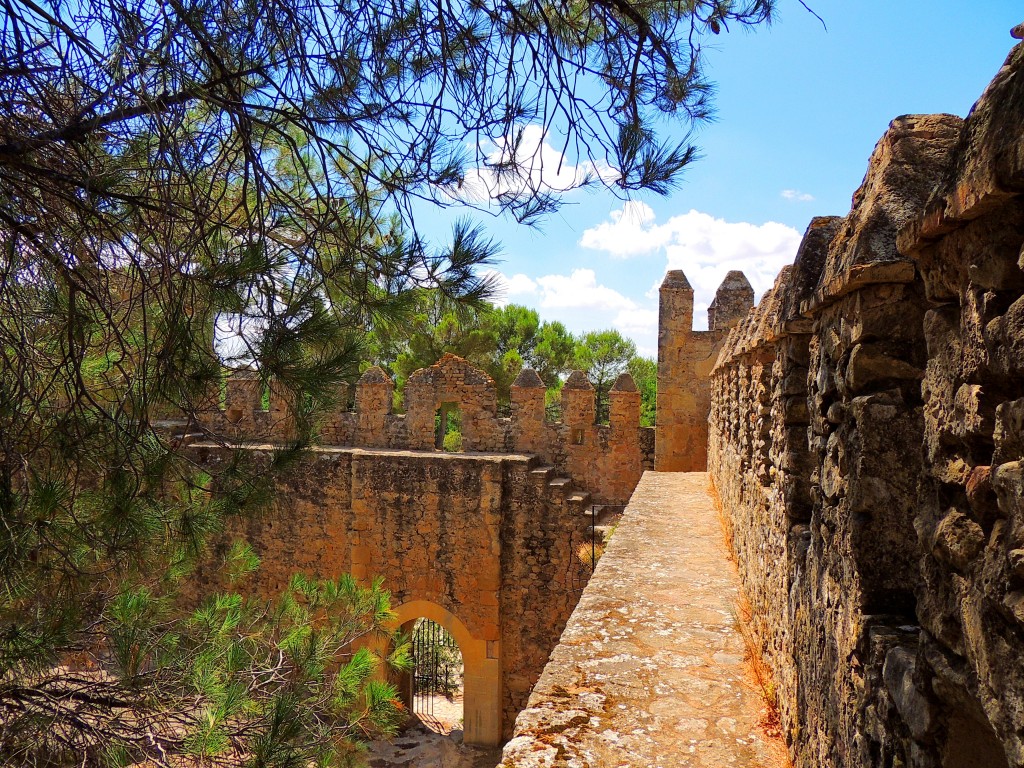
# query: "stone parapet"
485,543
606,460
685,359
866,440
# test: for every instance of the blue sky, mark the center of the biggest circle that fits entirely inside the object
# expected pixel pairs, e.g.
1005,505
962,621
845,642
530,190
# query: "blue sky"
798,110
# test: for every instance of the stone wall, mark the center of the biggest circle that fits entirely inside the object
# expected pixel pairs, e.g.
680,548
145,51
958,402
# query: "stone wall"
606,460
685,359
867,438
489,539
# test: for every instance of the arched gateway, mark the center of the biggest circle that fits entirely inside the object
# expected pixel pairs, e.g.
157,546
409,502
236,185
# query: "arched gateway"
482,715
483,542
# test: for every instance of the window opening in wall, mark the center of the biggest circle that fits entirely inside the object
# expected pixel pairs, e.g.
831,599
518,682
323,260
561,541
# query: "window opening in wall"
577,435
437,679
448,428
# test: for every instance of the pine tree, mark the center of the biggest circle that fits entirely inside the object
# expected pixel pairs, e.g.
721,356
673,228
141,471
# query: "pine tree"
175,175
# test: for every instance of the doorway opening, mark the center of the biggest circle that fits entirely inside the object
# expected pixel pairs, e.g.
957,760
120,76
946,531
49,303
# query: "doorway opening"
448,428
437,678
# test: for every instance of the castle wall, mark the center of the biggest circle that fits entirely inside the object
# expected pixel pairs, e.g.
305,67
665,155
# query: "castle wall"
605,460
488,538
685,360
867,438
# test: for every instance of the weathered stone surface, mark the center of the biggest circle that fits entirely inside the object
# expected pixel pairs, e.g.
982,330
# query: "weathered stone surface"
685,360
904,168
606,460
807,269
733,299
528,379
917,710
624,383
893,601
650,669
483,543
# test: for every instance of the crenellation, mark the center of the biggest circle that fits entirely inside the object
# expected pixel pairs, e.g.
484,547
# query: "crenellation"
243,397
528,427
624,406
606,460
579,407
685,360
883,557
863,426
733,299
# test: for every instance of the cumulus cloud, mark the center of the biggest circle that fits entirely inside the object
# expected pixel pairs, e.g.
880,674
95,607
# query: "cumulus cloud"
524,164
630,232
797,195
580,290
510,288
703,246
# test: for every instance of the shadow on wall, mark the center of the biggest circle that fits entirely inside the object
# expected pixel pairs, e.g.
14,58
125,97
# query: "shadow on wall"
867,440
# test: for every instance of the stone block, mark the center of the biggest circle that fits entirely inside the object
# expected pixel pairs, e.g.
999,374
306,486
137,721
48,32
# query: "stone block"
871,368
914,706
1009,431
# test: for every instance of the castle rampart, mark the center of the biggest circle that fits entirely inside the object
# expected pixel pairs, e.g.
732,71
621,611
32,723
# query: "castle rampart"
867,441
605,460
685,359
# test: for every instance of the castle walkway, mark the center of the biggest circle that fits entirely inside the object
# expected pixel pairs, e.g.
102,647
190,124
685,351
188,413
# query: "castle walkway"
650,670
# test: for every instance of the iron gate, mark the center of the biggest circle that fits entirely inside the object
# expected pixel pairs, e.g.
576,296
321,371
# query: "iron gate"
436,664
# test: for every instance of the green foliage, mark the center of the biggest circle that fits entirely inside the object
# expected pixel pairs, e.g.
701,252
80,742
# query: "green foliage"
440,651
452,442
644,371
175,176
604,355
499,340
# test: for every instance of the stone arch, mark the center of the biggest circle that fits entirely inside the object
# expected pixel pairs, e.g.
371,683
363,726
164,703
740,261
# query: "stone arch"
482,677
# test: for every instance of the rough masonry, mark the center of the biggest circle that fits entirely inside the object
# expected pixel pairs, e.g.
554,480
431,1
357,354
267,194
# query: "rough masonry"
685,360
867,440
604,459
483,541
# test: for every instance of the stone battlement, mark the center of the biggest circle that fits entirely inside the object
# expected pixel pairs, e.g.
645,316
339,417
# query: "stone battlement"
867,440
606,460
685,359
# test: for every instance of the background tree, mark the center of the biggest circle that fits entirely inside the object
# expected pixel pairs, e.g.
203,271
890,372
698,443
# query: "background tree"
523,341
644,371
168,166
604,355
439,326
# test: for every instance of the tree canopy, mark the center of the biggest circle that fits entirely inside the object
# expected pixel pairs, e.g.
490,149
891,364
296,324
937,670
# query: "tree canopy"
168,168
604,356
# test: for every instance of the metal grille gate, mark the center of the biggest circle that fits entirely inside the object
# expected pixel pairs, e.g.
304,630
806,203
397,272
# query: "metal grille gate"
432,648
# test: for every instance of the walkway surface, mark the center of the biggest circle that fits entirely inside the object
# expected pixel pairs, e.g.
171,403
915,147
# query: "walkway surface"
650,670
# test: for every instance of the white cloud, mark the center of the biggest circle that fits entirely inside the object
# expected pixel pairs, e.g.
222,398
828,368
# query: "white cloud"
526,164
583,304
704,247
580,290
797,195
631,232
509,286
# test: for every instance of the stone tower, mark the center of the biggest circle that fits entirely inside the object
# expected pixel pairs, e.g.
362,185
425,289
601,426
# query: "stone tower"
685,360
733,299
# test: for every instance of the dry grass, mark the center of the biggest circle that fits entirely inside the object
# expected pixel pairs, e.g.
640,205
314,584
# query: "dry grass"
723,520
589,555
763,680
760,672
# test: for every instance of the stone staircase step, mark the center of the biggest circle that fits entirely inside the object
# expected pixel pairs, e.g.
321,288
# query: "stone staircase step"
562,483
